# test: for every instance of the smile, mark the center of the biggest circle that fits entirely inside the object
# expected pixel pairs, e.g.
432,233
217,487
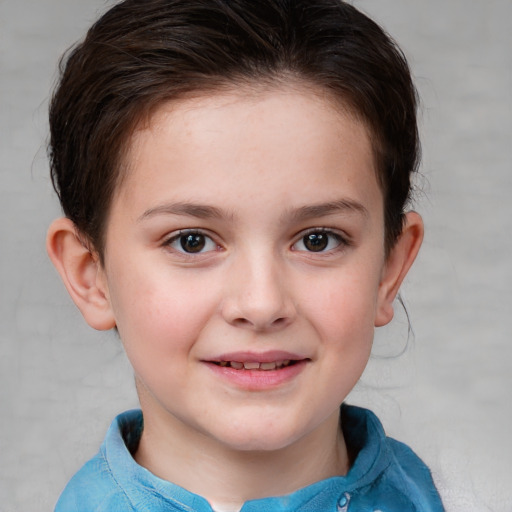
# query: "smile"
250,373
261,371
254,365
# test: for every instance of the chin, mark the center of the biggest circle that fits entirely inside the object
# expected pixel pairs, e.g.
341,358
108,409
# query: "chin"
258,438
257,445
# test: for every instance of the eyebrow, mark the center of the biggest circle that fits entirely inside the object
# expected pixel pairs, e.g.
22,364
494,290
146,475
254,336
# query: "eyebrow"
302,213
186,209
330,208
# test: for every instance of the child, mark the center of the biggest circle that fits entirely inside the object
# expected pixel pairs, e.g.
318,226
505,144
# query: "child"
234,176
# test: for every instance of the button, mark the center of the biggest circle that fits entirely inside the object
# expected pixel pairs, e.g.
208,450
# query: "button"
343,502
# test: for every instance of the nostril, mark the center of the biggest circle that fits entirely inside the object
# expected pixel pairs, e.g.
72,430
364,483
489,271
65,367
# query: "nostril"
242,322
274,324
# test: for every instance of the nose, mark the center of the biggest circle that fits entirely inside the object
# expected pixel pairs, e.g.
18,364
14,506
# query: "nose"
259,296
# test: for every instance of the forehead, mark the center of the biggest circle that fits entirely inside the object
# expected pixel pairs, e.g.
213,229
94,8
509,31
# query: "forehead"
290,94
280,137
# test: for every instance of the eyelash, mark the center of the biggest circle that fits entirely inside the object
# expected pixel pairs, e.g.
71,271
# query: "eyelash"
206,241
340,240
181,235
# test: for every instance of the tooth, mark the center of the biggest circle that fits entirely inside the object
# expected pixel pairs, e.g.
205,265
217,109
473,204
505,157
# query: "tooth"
223,363
286,362
236,365
268,366
252,366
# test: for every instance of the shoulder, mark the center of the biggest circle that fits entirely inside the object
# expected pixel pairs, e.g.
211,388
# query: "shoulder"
96,486
410,476
405,461
93,489
112,481
388,470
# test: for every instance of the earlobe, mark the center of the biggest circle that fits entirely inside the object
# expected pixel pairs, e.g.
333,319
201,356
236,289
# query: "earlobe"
398,263
81,272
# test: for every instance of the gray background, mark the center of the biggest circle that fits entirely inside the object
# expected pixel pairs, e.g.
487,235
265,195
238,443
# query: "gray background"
449,394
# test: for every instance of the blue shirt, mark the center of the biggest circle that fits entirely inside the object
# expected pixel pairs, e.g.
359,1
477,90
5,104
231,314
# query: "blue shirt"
386,476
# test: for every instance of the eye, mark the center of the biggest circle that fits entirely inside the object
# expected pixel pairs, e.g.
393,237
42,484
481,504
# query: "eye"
191,242
318,240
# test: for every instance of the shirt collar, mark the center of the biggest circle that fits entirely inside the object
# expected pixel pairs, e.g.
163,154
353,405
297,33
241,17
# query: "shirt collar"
363,434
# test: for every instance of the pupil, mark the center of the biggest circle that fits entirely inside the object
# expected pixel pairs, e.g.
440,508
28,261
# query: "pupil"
316,242
193,243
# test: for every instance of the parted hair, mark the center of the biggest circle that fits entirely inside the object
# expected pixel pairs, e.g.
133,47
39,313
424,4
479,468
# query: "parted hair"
142,53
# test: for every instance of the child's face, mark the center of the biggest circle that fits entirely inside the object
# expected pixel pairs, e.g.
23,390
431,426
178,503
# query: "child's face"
248,229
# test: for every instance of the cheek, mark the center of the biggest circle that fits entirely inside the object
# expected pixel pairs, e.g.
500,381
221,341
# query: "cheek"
343,303
159,317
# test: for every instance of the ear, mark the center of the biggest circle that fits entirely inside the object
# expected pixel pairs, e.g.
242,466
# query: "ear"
81,272
398,263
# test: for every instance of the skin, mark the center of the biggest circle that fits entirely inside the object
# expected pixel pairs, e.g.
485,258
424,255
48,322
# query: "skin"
250,174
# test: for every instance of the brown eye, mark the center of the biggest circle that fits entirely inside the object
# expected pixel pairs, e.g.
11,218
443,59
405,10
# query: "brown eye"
194,242
191,242
319,241
316,242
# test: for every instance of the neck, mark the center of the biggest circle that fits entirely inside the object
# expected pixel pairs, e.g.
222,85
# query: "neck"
227,478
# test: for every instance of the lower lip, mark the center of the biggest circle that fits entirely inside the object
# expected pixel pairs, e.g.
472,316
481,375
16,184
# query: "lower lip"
258,380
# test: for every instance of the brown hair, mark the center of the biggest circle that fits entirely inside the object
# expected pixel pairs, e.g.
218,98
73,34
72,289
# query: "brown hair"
144,52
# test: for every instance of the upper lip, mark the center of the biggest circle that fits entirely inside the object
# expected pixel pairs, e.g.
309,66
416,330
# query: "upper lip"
258,357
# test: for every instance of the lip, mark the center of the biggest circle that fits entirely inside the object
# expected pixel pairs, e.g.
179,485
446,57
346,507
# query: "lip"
256,379
255,357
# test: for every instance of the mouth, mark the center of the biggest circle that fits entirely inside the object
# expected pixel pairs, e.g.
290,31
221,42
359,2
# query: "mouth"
252,371
255,365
